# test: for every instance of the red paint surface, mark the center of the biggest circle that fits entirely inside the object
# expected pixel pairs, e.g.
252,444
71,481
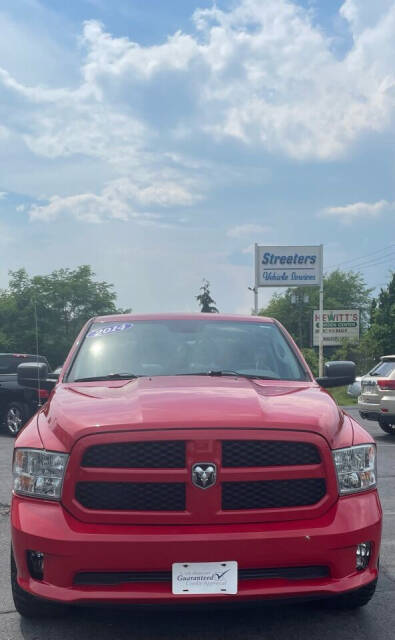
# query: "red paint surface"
203,411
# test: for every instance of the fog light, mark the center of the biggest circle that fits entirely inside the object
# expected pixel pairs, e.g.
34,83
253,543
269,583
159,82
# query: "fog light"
363,555
35,562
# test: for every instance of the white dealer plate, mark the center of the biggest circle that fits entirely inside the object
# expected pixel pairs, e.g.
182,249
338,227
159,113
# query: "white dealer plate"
204,577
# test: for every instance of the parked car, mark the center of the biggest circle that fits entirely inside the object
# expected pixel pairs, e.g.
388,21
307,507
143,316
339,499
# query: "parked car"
377,399
18,403
191,459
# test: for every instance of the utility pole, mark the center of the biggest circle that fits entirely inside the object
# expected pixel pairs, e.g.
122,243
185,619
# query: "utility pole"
300,299
255,291
321,328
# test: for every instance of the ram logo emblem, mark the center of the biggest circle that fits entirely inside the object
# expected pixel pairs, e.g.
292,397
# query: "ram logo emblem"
204,475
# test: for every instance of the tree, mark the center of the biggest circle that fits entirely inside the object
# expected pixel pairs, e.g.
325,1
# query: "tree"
342,290
205,300
382,329
64,300
311,357
361,353
379,339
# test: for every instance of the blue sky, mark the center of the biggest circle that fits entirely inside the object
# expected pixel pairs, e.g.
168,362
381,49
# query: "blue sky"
157,141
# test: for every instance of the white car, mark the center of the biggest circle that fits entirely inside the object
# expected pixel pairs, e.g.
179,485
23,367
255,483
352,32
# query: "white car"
377,399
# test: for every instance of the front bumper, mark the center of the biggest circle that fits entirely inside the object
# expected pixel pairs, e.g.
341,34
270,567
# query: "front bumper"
71,547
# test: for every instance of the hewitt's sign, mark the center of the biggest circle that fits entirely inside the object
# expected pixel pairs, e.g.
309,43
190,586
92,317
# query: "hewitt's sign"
338,325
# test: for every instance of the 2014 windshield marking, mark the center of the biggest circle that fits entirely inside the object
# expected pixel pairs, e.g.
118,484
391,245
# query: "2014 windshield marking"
104,331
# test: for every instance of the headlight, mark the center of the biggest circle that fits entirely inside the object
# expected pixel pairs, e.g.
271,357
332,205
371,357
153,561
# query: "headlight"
39,473
355,468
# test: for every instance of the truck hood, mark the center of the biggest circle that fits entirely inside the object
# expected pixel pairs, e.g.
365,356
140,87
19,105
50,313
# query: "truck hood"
186,402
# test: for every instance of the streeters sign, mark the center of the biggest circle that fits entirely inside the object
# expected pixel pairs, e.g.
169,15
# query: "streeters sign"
288,266
338,325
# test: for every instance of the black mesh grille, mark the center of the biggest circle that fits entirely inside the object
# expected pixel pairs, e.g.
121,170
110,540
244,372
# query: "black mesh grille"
167,454
267,453
122,577
272,493
131,496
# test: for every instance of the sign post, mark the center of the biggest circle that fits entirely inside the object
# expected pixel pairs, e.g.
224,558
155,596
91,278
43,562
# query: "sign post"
321,338
256,280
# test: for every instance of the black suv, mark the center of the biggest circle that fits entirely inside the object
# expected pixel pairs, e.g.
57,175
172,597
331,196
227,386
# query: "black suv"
17,403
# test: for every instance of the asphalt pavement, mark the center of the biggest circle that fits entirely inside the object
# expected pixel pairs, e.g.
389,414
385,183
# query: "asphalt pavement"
376,621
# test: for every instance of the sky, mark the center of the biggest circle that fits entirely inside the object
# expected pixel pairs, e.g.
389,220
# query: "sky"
158,141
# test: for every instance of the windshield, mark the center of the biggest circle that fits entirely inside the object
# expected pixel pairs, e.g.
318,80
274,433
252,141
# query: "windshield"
185,347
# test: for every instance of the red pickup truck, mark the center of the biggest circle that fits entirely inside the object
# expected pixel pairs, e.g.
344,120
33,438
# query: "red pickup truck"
191,459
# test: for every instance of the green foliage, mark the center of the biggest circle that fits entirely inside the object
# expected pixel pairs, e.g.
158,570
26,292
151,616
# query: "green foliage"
379,339
342,290
64,299
311,357
382,330
206,302
362,354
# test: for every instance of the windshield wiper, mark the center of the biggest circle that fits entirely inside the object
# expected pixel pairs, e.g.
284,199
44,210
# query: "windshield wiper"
227,372
109,376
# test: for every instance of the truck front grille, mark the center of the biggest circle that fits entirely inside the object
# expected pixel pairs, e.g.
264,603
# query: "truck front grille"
272,494
268,453
165,454
131,496
125,577
262,476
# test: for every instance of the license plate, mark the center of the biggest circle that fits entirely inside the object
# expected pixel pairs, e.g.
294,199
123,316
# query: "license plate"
204,577
369,387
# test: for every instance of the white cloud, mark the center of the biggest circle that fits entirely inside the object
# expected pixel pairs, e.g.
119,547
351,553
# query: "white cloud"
141,134
109,56
243,230
364,14
357,210
87,207
3,194
20,208
261,74
289,93
120,199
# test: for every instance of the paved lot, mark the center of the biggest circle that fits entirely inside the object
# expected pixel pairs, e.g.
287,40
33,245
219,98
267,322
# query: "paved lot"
376,621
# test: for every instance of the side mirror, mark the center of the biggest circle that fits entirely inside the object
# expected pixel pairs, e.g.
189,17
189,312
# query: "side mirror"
337,374
34,374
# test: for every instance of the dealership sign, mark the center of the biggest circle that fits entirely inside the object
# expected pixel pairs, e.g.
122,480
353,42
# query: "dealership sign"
288,266
338,325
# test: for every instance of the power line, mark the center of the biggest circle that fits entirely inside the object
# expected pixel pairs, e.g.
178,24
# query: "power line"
373,261
382,260
390,246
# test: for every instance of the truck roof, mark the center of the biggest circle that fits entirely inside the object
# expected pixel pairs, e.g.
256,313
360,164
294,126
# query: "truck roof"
182,316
